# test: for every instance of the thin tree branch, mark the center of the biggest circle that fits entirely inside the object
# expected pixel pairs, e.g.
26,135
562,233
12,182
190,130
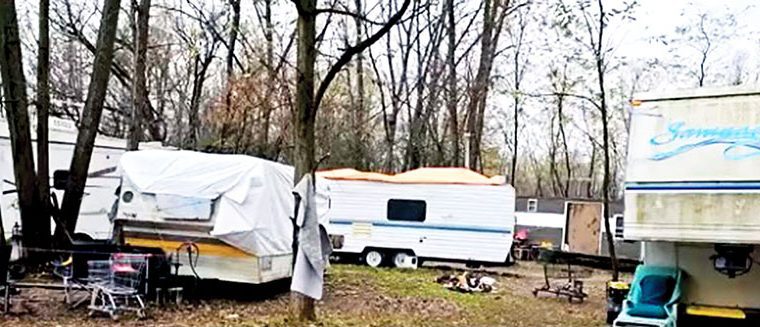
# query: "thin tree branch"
345,58
333,11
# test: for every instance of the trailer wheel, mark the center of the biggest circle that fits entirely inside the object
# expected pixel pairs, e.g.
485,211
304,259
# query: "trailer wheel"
398,259
373,258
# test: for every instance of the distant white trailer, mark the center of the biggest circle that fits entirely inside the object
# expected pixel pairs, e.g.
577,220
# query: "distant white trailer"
101,185
450,214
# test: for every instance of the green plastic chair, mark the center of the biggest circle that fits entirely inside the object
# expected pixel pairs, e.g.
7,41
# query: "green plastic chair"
648,303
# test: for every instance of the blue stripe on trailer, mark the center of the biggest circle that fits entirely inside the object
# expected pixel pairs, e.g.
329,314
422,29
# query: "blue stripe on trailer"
426,226
695,186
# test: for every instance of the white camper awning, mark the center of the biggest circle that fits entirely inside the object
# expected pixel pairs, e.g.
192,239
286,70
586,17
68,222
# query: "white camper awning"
254,197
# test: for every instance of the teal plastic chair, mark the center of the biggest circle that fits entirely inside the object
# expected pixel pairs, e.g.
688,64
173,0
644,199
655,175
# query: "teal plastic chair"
653,299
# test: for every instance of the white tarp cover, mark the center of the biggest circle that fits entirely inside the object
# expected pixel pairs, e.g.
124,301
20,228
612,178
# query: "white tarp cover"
254,196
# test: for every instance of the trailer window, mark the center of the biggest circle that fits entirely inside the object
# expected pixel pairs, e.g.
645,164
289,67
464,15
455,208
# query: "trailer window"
406,210
532,205
177,207
618,226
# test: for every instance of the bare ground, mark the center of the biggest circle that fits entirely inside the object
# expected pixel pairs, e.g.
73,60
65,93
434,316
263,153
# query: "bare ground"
356,296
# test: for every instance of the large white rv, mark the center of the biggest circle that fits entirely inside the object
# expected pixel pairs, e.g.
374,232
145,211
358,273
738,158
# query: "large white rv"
692,193
101,184
222,217
431,213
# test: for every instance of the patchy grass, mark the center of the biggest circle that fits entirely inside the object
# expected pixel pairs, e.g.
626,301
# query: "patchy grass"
362,296
511,304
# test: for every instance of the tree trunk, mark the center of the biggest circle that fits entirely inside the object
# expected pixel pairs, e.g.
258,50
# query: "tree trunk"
93,108
305,117
43,108
451,90
515,137
229,60
606,145
271,69
17,115
199,78
359,114
565,148
139,90
479,90
592,164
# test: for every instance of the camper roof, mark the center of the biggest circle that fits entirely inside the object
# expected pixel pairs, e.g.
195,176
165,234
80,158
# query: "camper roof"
694,94
437,175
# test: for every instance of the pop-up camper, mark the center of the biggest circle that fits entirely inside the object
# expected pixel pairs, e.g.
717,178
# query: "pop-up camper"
223,217
692,193
431,213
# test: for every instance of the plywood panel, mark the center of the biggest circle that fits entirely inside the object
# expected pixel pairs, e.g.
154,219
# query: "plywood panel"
583,221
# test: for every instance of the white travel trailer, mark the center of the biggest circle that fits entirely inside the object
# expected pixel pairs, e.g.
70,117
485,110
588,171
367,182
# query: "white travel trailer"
223,217
692,193
101,184
449,214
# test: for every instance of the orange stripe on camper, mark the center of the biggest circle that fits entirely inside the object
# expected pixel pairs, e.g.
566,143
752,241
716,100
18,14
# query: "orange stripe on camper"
220,250
437,175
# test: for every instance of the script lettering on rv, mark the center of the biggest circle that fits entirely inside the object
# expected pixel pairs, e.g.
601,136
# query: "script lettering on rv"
739,142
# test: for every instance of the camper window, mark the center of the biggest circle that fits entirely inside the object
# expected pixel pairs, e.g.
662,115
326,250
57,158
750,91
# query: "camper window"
618,226
406,210
532,205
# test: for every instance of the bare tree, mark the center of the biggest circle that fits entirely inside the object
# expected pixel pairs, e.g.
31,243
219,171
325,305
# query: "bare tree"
43,109
308,101
495,13
73,23
519,64
424,86
397,84
561,86
595,24
93,109
229,61
701,37
204,47
16,111
139,89
451,82
600,63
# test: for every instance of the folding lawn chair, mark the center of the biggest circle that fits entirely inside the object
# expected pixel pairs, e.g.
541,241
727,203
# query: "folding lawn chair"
653,299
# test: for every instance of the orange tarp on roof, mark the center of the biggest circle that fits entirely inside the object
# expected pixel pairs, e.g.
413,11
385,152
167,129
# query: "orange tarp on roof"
439,175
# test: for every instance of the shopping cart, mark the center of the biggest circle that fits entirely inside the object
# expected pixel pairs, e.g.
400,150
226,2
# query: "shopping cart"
117,284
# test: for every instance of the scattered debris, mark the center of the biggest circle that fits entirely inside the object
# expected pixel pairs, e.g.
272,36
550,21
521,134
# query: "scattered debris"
467,283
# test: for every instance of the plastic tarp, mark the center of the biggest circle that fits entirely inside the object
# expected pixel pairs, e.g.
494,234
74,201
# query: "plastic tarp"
253,197
434,175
